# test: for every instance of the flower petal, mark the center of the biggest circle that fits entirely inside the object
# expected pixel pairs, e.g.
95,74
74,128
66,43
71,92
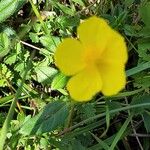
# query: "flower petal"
84,85
113,78
68,56
94,33
116,50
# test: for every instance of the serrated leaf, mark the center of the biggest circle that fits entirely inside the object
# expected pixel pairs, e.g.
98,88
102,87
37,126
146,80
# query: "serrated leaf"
141,80
8,7
53,115
88,110
4,44
5,74
34,37
8,30
37,27
59,81
20,67
11,59
145,13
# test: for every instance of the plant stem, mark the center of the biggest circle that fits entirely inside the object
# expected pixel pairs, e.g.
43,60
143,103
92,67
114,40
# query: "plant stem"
103,114
39,17
4,130
120,133
70,114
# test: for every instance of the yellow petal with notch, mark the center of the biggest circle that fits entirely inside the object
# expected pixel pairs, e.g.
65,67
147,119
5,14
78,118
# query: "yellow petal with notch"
113,78
84,85
68,56
94,34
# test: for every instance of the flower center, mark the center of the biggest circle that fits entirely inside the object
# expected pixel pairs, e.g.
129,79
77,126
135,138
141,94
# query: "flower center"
91,56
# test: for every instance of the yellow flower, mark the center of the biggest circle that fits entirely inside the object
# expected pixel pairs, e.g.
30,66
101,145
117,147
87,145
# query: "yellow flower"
95,62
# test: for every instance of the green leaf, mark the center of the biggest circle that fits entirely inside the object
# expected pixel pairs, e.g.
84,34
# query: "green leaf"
140,100
142,80
44,143
128,2
145,31
80,2
107,117
37,27
50,42
63,8
8,7
20,67
63,91
34,37
146,118
45,74
69,21
4,44
137,69
103,144
5,74
144,48
120,133
87,110
130,30
50,117
8,30
59,81
112,105
77,145
11,59
144,12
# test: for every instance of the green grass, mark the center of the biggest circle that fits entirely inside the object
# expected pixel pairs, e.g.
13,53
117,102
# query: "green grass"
36,111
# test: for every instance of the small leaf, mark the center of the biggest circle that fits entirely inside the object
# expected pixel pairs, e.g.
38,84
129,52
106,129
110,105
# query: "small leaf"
145,13
37,27
128,2
77,145
146,118
80,2
11,59
59,81
141,79
50,117
8,30
20,67
130,30
8,7
69,21
5,74
145,31
4,44
140,100
34,37
87,110
63,8
45,74
144,48
50,42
